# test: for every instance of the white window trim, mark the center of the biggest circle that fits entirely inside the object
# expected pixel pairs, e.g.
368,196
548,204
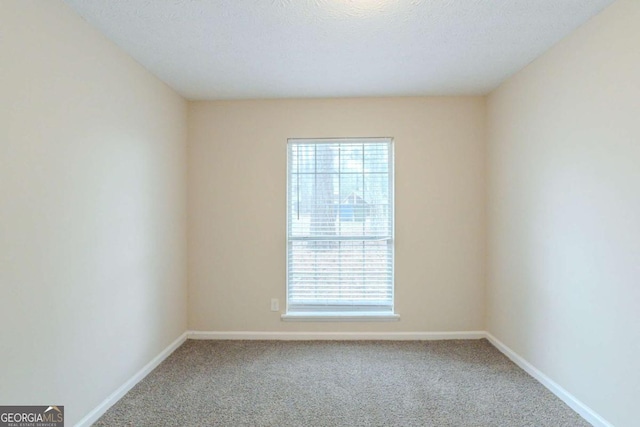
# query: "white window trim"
345,316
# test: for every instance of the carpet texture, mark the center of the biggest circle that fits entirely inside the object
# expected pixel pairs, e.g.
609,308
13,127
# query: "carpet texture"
325,383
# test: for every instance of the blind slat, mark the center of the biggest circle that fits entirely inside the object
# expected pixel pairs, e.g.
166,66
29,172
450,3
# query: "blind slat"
340,225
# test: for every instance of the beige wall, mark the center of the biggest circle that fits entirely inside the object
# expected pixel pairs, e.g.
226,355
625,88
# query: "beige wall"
564,213
92,211
93,167
237,193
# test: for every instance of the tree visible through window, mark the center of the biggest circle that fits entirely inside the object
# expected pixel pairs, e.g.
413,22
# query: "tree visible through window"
340,225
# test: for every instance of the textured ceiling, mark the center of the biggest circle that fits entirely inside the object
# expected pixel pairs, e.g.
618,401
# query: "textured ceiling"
230,49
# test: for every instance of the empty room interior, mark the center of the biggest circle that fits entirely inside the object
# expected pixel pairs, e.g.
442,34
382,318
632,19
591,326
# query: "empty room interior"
320,212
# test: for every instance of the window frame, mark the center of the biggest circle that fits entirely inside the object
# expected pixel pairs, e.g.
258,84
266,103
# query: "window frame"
342,315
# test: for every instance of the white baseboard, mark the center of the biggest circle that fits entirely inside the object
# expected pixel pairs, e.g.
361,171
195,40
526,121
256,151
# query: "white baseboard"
583,410
335,336
99,410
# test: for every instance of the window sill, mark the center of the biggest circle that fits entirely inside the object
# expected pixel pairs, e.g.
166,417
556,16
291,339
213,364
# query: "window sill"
340,317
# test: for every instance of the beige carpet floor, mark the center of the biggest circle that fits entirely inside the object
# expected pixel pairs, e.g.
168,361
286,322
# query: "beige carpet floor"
354,383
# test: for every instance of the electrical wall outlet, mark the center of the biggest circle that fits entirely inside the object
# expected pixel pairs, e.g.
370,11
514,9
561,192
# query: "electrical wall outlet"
275,304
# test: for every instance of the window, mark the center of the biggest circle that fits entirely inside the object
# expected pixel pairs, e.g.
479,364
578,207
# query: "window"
340,228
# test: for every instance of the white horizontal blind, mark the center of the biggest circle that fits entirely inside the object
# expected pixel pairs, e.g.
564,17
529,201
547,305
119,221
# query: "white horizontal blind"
340,225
